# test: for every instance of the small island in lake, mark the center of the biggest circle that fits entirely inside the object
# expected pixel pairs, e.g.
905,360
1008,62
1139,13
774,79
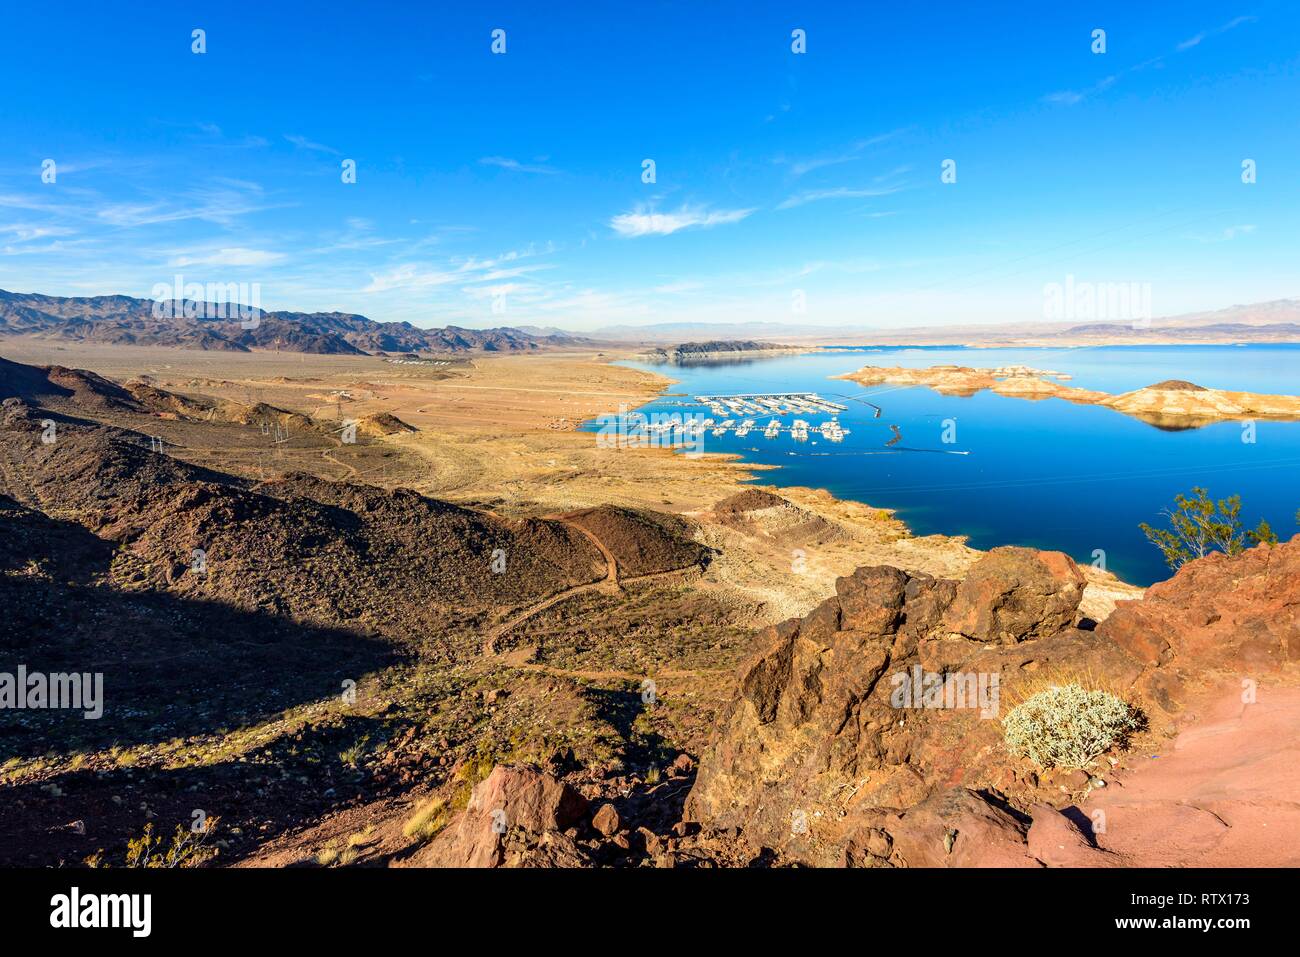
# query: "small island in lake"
1173,403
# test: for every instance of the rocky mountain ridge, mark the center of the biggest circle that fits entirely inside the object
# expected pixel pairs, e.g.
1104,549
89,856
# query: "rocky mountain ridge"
125,320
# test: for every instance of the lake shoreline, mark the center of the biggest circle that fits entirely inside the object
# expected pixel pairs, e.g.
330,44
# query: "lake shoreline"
1104,587
1076,478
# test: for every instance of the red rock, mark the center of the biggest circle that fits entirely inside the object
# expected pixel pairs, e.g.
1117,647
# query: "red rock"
511,798
1059,841
1012,594
958,828
606,820
1241,612
814,731
871,599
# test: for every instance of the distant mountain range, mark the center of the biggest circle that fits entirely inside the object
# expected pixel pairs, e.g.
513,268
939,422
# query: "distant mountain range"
689,332
687,351
1275,321
195,325
125,320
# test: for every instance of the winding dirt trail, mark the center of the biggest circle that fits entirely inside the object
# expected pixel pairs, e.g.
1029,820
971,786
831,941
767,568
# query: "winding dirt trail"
611,584
352,472
611,563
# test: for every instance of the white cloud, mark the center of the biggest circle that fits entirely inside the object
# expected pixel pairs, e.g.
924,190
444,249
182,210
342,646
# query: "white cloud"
1230,25
221,205
409,276
303,143
23,233
230,256
853,152
842,192
646,223
505,162
1072,97
1228,235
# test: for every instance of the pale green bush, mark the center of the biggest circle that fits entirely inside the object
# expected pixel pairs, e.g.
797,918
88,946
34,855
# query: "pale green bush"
1068,726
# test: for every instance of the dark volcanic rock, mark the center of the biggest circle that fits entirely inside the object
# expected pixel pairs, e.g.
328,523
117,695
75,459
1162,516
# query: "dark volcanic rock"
1016,593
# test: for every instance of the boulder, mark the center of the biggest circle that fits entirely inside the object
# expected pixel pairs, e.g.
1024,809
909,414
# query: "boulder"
606,820
1013,594
517,809
1065,839
958,827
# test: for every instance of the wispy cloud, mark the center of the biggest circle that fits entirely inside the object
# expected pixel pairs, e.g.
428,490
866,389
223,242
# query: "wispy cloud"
221,204
841,192
643,222
213,132
25,233
409,276
505,162
229,256
1228,235
464,272
1072,97
303,143
853,152
1206,34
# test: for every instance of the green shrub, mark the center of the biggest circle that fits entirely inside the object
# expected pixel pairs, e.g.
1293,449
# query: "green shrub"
1068,726
1200,525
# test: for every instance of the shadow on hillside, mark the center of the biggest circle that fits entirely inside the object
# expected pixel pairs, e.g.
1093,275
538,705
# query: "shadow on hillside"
622,708
292,782
172,667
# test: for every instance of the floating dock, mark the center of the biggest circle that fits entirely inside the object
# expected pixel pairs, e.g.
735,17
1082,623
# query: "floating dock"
770,403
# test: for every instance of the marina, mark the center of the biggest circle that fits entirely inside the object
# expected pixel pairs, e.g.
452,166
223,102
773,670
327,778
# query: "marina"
728,409
770,403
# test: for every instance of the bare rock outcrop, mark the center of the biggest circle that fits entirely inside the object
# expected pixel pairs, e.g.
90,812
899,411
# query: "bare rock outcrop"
1243,610
1021,594
868,730
515,818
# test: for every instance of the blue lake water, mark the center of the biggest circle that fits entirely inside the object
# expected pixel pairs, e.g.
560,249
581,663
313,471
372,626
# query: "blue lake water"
1048,474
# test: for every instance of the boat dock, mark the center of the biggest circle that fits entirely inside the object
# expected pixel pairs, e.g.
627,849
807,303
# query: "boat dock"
770,403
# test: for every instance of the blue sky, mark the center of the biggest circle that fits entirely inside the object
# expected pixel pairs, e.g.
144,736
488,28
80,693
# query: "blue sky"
507,189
